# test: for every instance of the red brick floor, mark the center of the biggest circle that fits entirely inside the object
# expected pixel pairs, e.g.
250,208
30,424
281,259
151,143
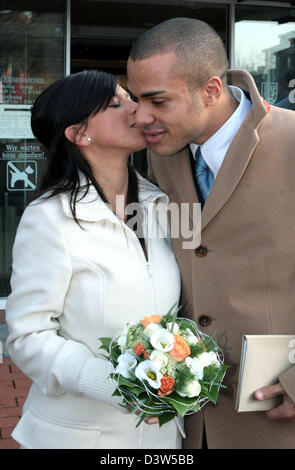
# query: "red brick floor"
14,387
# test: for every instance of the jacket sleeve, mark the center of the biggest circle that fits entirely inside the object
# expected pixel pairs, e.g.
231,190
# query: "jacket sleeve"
287,380
40,279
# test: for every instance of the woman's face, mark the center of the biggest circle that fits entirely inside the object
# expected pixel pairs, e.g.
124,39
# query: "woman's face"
115,127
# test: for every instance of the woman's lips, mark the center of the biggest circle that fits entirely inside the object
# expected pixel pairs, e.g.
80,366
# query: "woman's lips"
154,137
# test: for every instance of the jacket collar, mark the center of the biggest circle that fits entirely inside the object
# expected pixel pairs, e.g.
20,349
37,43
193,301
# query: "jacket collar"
92,208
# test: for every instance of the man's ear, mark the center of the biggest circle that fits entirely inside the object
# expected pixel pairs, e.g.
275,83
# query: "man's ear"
213,90
76,135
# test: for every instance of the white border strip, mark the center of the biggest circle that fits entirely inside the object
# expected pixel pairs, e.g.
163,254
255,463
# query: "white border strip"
3,303
68,38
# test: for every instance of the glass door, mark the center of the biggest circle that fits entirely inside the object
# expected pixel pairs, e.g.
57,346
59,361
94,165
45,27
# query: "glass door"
32,55
103,33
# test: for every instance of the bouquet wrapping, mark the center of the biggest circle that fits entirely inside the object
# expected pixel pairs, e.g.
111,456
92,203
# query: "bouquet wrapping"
165,367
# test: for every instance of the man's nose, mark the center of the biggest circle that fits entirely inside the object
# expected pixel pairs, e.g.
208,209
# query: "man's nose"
142,115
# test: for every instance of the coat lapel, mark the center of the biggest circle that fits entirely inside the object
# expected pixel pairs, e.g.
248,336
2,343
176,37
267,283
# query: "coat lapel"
234,164
180,167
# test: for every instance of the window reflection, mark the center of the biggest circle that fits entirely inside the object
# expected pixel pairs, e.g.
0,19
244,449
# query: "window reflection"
265,46
31,57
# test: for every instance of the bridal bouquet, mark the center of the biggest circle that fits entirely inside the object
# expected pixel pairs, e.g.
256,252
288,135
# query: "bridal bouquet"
165,367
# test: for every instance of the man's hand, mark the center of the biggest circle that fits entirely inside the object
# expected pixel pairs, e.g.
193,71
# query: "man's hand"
286,410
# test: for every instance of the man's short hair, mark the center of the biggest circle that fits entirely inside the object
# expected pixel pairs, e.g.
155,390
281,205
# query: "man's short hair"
198,47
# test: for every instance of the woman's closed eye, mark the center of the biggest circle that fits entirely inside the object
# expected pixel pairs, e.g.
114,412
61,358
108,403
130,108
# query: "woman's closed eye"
115,105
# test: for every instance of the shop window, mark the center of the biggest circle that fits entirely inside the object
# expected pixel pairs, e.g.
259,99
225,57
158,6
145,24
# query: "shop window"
31,57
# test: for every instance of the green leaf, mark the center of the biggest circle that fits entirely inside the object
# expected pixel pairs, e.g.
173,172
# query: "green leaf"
213,394
196,407
180,404
105,343
115,352
165,418
170,316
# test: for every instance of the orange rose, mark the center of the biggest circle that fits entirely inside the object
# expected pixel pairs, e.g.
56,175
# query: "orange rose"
167,384
181,349
138,348
148,319
146,354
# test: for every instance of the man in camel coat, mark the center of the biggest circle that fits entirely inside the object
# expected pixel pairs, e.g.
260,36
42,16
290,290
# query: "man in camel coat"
214,140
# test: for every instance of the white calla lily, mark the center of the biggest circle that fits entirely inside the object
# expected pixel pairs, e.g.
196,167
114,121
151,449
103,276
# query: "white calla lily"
209,359
149,371
195,366
162,340
151,328
127,362
191,389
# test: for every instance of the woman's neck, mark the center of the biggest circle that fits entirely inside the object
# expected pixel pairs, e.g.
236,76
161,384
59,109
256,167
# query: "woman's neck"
112,177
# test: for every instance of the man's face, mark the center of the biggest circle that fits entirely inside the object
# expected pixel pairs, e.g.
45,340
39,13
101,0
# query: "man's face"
170,115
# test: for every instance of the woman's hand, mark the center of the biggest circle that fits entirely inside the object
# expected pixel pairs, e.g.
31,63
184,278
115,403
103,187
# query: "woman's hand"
153,420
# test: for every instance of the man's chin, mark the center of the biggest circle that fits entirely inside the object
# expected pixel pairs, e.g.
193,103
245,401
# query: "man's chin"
165,151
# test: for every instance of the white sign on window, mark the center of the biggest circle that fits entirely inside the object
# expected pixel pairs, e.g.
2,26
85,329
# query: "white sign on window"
15,121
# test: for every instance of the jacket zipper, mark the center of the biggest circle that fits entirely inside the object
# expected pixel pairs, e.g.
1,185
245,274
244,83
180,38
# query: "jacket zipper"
147,265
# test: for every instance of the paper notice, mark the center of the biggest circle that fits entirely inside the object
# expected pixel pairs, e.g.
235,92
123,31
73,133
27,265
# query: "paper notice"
15,121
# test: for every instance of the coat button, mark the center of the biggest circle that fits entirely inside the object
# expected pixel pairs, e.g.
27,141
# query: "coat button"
204,320
201,251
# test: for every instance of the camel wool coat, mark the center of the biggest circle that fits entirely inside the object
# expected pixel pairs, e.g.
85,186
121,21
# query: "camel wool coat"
242,282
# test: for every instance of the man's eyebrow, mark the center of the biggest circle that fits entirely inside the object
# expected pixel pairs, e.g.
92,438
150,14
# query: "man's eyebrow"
148,94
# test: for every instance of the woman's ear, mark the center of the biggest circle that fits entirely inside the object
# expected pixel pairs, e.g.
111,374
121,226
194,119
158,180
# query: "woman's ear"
76,135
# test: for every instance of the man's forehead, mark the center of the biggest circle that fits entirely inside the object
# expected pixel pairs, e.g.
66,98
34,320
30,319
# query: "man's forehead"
145,77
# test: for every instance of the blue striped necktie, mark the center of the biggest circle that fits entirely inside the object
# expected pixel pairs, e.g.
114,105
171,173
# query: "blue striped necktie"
203,173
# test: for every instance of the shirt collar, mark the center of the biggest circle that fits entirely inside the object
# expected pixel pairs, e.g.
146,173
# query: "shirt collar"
215,148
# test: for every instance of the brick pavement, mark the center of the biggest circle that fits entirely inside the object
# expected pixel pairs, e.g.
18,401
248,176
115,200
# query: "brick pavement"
14,387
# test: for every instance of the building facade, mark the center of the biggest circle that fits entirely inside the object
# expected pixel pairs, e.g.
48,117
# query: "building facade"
41,42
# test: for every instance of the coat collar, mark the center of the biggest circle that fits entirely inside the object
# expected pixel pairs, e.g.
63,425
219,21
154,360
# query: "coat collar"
236,159
92,208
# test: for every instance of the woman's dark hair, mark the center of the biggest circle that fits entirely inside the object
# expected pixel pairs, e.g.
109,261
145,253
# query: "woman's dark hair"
72,100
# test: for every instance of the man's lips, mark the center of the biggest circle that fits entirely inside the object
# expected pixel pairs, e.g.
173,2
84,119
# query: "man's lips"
154,136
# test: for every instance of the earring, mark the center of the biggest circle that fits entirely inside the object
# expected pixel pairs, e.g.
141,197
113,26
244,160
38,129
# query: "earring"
89,139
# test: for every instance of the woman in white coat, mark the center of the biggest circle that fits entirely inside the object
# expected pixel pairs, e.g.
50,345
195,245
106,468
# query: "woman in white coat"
81,272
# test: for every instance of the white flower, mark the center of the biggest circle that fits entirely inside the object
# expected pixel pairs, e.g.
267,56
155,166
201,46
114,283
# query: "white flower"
127,362
162,340
122,342
195,366
192,389
151,328
175,327
149,371
209,358
159,357
191,338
